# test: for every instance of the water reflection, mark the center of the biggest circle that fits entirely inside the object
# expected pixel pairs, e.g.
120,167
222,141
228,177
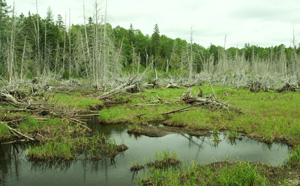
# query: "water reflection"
16,170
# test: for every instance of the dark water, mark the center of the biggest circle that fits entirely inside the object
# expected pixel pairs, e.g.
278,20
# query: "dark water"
16,170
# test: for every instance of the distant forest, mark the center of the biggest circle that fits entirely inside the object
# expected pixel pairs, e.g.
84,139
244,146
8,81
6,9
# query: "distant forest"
32,46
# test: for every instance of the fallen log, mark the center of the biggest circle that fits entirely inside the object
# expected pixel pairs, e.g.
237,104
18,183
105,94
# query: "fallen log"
14,141
117,90
172,85
14,131
9,98
181,110
81,123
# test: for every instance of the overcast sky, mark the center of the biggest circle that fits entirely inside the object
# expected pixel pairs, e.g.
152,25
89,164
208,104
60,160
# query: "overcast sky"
258,22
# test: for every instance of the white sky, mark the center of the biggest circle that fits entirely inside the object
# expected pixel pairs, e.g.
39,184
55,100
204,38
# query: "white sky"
258,22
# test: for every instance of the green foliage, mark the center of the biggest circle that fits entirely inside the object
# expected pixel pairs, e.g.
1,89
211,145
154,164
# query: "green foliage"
241,174
156,41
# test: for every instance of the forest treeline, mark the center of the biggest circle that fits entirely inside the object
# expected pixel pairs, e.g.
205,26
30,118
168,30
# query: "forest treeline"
31,46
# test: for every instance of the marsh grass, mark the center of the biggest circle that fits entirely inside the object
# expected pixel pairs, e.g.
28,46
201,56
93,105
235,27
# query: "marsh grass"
52,151
267,116
225,174
4,132
67,148
164,160
75,100
136,166
241,174
30,124
294,158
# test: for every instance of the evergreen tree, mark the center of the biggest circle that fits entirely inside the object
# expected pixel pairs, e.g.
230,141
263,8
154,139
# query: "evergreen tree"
156,45
4,10
156,42
131,35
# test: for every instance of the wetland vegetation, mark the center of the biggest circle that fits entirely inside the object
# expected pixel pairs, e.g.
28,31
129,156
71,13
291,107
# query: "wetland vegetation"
105,101
263,117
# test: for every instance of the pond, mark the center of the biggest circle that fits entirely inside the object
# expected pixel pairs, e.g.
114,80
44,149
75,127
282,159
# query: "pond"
16,170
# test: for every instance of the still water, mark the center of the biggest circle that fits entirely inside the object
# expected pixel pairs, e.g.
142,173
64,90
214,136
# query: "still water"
16,170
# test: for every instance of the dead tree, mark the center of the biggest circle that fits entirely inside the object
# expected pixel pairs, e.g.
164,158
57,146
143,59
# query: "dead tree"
11,44
191,59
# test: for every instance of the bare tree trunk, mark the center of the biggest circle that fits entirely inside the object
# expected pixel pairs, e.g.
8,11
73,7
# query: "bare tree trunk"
104,46
45,49
133,59
10,59
147,59
191,59
56,56
84,57
22,60
38,40
70,46
167,68
86,42
138,64
96,60
64,49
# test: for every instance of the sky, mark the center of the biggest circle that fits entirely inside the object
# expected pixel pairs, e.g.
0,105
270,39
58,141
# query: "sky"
257,22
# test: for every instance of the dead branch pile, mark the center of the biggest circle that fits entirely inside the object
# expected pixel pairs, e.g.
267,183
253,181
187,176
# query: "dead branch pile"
286,88
38,109
208,102
132,86
172,85
256,87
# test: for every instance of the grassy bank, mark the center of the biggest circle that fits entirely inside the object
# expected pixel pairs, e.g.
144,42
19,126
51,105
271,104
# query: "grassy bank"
267,116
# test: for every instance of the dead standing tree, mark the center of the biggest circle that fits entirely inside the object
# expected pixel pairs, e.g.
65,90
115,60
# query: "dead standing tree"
11,49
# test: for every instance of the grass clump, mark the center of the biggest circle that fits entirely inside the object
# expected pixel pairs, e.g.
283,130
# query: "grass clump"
52,151
221,173
294,158
136,166
241,174
67,148
164,160
4,132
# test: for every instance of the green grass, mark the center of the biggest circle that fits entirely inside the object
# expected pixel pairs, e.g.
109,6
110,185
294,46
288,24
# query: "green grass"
65,147
294,158
224,174
75,100
4,132
266,115
51,151
30,124
242,174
